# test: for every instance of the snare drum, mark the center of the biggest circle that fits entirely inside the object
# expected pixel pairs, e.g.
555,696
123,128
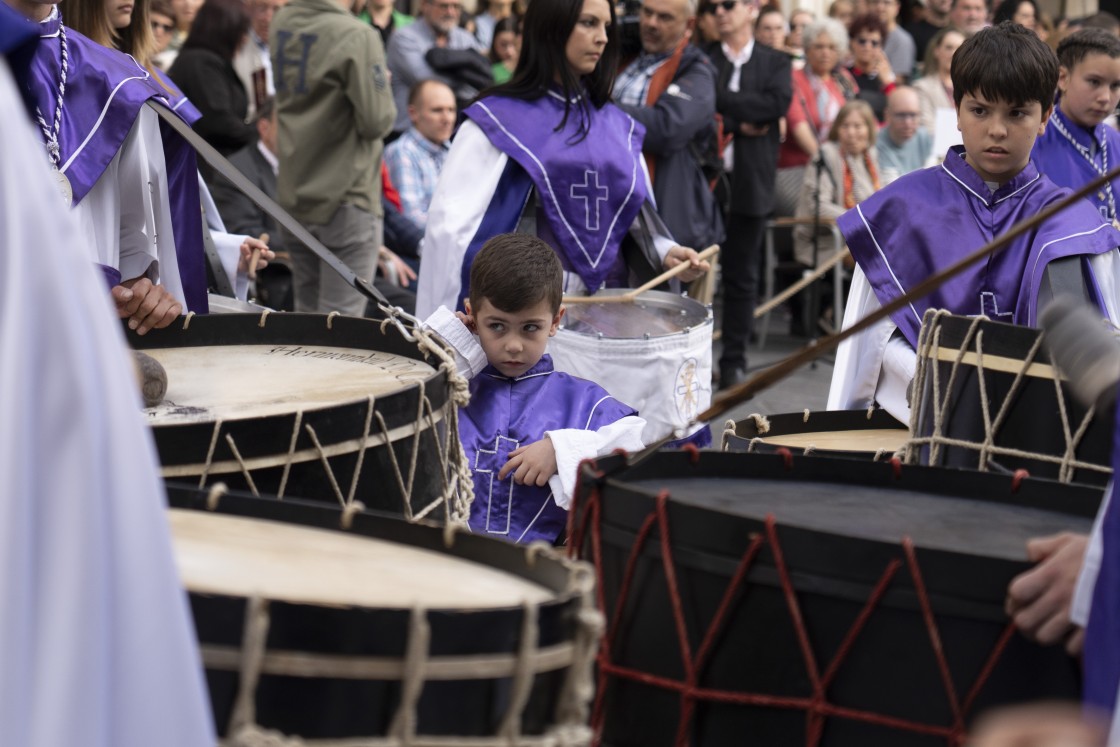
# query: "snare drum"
782,600
654,354
331,408
381,629
863,434
986,397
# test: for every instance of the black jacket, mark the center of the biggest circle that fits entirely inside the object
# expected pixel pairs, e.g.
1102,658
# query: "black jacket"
765,90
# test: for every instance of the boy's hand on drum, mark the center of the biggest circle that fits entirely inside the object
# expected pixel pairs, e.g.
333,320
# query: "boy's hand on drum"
146,305
680,254
534,463
1040,599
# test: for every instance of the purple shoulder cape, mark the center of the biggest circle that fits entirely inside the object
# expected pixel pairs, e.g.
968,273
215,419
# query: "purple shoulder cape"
104,92
931,218
590,190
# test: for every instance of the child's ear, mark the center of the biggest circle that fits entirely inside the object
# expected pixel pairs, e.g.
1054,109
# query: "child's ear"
1045,118
1063,78
556,321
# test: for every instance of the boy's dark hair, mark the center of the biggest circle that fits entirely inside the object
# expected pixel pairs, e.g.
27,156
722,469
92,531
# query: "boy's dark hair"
1008,63
513,271
1080,44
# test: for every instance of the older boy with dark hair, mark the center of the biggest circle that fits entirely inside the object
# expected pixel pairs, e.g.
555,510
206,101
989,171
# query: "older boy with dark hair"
1078,146
1003,83
527,426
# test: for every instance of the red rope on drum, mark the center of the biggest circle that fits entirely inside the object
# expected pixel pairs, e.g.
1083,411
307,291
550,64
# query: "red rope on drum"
817,707
786,455
1017,479
693,452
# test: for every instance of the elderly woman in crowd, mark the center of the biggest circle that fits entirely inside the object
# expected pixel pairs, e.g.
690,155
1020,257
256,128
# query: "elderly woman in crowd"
819,90
935,87
850,174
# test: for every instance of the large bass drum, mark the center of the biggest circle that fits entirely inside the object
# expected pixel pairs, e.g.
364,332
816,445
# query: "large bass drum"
783,600
334,408
316,623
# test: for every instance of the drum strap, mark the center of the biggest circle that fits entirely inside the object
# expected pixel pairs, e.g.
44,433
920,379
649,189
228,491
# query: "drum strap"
1063,277
216,275
266,203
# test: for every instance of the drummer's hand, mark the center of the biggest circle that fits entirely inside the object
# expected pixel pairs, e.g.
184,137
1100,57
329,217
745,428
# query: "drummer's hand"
145,305
247,247
535,463
1038,725
680,254
1039,600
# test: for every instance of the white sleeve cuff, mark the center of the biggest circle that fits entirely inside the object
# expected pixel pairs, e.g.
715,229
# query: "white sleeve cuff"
470,358
573,445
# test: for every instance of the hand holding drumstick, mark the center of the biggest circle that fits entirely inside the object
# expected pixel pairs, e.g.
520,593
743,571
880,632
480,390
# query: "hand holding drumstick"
255,254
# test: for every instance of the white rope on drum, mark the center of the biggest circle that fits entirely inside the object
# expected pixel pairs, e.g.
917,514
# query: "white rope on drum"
417,649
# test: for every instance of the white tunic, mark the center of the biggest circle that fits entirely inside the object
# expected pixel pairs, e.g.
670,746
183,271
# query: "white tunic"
97,644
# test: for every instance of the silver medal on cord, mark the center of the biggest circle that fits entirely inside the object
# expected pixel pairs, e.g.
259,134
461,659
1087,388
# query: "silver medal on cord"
51,132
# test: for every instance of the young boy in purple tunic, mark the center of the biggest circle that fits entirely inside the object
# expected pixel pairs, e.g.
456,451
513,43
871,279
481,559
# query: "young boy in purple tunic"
527,426
1004,79
1078,146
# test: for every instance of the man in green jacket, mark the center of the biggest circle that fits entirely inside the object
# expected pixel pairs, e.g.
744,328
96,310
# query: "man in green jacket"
334,106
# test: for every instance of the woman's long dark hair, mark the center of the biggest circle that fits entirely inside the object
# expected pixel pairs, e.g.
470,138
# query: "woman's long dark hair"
219,26
544,37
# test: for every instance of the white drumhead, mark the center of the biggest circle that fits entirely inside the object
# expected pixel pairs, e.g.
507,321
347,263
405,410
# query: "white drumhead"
241,381
236,556
864,439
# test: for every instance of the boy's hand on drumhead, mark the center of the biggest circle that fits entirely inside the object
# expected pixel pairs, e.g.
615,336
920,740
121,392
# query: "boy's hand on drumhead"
146,305
1039,600
534,463
680,254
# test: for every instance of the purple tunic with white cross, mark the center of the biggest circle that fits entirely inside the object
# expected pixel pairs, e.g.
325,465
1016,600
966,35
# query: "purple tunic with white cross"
590,188
929,219
505,414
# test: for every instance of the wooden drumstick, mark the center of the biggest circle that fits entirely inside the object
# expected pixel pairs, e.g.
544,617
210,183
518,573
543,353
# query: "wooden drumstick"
256,257
150,376
629,296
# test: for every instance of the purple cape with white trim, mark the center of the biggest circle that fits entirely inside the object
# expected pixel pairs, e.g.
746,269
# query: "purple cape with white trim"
929,219
104,92
1060,162
1102,633
591,189
505,414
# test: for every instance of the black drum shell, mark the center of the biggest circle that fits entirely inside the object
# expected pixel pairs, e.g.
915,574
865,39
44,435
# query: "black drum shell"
1033,423
890,670
325,708
185,446
834,422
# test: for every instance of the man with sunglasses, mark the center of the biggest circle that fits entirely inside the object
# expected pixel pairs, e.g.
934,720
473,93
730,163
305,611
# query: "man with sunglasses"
670,89
753,92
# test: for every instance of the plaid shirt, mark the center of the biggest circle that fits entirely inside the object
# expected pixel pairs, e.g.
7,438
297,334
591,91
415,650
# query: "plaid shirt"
632,84
414,164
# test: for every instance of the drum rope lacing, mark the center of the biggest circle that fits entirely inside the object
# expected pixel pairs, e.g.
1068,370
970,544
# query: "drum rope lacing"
457,482
417,666
928,376
817,708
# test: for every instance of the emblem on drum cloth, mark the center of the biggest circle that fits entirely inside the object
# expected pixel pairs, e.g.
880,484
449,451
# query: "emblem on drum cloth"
686,390
487,462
